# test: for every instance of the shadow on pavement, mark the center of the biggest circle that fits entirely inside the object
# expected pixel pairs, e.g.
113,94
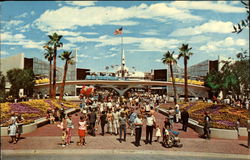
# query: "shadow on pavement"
243,145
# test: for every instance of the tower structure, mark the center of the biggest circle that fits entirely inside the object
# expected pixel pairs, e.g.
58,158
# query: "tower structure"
123,64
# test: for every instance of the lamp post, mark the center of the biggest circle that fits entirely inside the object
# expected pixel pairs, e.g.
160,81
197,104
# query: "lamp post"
248,130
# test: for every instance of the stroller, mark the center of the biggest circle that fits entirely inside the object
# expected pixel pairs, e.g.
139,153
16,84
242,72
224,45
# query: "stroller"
171,138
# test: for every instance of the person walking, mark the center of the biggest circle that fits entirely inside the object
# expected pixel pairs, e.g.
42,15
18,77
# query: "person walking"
123,126
177,113
150,122
12,128
19,122
158,133
207,121
82,130
138,129
116,115
92,120
247,104
184,118
132,118
63,125
110,121
103,120
70,127
238,126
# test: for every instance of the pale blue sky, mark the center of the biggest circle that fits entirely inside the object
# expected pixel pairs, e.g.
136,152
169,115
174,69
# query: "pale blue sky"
150,29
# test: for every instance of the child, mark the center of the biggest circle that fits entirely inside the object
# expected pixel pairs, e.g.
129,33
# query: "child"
82,130
19,121
51,118
238,126
158,133
64,134
62,126
12,132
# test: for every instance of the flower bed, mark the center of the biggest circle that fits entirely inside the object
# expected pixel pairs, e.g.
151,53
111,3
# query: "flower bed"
223,116
30,110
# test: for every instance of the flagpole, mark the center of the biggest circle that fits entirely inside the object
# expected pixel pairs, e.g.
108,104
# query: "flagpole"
122,68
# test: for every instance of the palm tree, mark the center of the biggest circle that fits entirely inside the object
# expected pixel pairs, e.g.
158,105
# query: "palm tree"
107,68
54,42
169,59
49,56
184,52
68,60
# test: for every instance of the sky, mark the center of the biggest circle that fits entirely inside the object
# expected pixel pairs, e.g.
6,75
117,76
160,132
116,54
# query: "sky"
150,29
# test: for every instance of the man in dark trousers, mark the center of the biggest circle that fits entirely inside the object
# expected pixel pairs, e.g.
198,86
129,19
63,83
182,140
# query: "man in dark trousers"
150,122
207,120
184,118
92,119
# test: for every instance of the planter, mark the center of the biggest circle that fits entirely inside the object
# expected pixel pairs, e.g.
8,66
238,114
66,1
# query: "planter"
215,132
33,126
243,131
26,129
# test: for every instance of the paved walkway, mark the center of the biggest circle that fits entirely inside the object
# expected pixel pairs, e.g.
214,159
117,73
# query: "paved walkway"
49,137
52,130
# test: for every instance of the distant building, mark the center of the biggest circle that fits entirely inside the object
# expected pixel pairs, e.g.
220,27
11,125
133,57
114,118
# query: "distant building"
81,73
160,75
41,69
200,70
195,72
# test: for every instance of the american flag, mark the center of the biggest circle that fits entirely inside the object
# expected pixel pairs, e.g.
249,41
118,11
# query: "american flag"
118,31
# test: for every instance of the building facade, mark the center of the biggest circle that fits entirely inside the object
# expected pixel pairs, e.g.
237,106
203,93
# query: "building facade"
40,69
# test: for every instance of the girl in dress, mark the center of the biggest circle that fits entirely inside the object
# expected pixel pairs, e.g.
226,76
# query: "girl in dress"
12,132
64,135
62,126
158,133
82,130
70,127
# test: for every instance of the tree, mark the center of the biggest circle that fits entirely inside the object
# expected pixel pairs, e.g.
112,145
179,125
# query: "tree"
169,59
213,81
233,79
107,68
66,56
21,79
243,23
13,76
184,52
49,56
27,80
55,43
2,87
229,81
241,71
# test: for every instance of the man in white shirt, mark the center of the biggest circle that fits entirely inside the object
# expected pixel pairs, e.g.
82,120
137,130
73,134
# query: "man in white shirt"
147,107
150,122
116,115
138,129
109,105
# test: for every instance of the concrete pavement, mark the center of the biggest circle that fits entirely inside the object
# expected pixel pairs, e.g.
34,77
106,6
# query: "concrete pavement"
116,154
48,137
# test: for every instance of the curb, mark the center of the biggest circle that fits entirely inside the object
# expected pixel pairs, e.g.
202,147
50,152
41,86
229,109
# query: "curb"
117,152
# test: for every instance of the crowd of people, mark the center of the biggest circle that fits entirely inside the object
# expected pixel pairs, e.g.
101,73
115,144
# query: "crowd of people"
116,115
